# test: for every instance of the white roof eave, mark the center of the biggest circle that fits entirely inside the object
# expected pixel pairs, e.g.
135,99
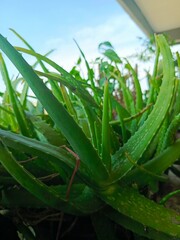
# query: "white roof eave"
154,16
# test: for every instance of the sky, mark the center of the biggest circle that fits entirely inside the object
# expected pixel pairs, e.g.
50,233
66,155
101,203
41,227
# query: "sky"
54,24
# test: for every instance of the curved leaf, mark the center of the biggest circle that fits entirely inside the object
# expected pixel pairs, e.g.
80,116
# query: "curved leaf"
139,142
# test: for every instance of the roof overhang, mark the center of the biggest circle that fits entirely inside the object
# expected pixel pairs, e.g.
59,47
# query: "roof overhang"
152,16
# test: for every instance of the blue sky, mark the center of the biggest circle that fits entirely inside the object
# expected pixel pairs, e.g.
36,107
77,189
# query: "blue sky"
54,24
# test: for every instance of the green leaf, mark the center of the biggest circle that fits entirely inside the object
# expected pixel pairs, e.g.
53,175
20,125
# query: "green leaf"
68,103
130,203
53,136
106,147
54,156
139,142
29,182
67,79
135,226
25,127
82,199
107,50
54,86
139,100
157,165
89,70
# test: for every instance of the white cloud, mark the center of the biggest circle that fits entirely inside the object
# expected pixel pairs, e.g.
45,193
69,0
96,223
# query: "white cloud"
119,30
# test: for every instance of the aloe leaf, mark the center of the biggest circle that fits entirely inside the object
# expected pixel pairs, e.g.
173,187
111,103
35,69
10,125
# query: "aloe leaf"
106,158
53,136
23,96
28,181
171,131
68,102
61,160
90,72
157,165
176,107
31,48
69,80
6,110
17,108
122,123
150,99
7,116
127,96
63,120
94,123
23,40
52,155
54,86
139,100
169,195
135,226
129,102
130,203
98,135
82,199
70,85
139,142
107,50
161,135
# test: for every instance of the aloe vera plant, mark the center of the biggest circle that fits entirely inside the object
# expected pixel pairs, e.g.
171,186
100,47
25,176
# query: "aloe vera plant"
77,149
